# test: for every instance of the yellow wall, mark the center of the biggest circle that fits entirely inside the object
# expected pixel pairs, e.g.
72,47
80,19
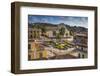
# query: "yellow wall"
34,53
44,54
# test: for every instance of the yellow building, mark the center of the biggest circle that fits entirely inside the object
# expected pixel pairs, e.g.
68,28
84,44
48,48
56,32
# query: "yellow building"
34,33
36,51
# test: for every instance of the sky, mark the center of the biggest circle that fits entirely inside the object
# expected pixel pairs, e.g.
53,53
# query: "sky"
70,20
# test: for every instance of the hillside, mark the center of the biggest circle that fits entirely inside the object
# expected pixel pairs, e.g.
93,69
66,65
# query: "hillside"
77,29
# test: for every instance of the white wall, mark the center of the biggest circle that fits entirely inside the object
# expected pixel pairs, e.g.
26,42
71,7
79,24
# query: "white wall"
5,33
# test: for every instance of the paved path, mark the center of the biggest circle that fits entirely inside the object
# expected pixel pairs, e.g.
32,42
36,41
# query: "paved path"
57,52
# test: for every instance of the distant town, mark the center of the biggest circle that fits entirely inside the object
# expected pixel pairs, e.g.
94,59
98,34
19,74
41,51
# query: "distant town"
48,41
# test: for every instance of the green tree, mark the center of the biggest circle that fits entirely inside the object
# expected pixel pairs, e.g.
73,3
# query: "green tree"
62,31
58,36
43,29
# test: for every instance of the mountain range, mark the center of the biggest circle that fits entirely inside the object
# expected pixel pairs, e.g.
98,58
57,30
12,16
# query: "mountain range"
77,29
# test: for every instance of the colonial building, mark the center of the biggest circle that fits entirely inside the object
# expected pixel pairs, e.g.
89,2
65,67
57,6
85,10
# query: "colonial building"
79,54
51,31
80,41
34,33
67,32
36,51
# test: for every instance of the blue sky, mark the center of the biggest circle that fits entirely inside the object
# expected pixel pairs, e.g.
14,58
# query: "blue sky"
70,20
